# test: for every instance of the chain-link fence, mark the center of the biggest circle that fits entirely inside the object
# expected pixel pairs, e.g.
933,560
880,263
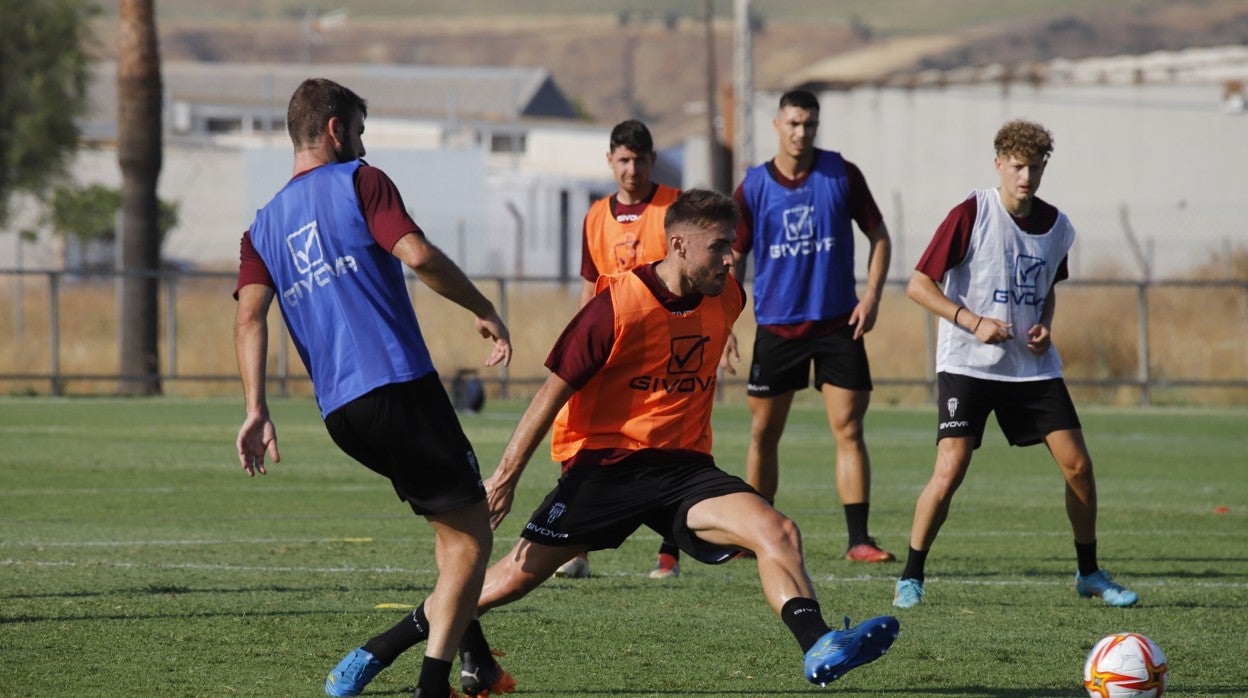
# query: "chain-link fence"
1123,342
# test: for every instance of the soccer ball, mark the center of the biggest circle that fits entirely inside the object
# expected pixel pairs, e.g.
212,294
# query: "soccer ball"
1125,665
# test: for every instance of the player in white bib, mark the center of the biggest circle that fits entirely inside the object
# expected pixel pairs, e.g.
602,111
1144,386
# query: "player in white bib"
989,274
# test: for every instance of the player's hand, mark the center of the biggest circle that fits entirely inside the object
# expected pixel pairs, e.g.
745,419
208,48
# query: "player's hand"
992,331
499,496
863,317
492,327
731,356
1038,339
256,437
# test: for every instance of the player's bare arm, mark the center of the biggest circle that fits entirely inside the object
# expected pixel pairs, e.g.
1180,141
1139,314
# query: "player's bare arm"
500,489
865,313
1039,337
924,291
732,354
439,273
257,436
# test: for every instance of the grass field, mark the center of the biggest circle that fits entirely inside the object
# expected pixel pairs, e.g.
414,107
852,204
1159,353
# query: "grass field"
136,559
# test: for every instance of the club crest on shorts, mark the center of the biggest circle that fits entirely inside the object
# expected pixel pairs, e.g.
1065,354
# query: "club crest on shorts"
556,510
952,405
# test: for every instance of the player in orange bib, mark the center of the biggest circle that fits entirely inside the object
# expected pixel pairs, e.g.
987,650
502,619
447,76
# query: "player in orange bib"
622,231
636,369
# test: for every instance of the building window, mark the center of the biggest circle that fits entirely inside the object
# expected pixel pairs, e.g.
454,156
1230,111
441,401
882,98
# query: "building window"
507,143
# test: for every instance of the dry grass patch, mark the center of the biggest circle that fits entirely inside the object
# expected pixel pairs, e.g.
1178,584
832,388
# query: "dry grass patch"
1195,333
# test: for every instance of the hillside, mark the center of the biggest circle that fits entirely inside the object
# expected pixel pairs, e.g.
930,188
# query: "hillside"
651,64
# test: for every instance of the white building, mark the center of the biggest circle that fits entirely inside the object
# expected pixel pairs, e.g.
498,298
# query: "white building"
494,163
1150,147
496,166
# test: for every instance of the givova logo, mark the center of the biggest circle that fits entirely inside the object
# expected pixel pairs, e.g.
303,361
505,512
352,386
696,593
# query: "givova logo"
687,360
309,257
1028,271
305,248
626,253
799,235
687,354
799,222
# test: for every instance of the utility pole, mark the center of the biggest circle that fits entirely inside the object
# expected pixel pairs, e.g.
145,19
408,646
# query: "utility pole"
718,173
743,147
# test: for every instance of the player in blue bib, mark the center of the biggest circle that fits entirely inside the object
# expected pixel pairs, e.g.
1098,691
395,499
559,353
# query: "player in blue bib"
798,213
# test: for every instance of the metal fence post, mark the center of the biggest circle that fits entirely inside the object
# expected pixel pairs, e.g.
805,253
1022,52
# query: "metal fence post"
171,322
54,331
1143,372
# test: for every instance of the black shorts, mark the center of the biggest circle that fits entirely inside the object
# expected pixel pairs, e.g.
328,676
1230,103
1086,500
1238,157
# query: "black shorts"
409,433
1027,411
600,506
780,365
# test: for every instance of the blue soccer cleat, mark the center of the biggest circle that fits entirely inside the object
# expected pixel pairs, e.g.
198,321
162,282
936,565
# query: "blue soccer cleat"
1099,583
352,674
839,651
909,593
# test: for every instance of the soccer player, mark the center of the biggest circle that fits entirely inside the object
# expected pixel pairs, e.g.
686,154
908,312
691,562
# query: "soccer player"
330,247
798,211
637,371
989,274
620,232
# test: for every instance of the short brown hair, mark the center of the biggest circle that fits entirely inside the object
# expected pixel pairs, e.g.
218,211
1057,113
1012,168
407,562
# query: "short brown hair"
314,102
702,208
1024,139
802,99
634,135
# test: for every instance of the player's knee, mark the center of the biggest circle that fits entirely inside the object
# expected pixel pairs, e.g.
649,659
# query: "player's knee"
1078,469
513,585
766,432
780,537
848,430
945,483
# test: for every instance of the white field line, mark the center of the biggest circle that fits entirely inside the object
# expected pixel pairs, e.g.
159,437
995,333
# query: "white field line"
389,569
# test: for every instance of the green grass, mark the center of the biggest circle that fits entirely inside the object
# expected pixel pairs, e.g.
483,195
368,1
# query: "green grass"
136,559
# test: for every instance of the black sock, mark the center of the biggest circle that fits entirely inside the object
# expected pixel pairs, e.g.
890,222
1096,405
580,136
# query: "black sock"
805,621
412,630
669,548
435,679
856,522
474,639
1085,553
916,560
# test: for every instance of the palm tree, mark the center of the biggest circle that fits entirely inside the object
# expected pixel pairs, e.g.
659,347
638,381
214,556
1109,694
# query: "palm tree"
139,155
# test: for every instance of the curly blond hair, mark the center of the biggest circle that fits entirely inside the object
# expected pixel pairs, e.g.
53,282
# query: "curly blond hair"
1024,139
